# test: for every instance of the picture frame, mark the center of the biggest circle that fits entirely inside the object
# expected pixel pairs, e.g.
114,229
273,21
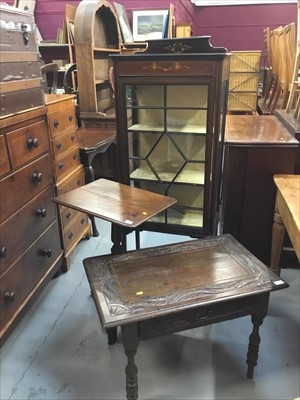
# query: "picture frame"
28,5
149,24
124,23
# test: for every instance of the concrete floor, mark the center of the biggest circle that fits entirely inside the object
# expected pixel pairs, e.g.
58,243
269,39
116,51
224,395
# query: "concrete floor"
59,351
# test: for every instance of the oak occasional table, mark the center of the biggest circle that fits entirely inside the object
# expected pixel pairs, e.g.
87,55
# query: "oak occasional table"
166,289
286,216
125,206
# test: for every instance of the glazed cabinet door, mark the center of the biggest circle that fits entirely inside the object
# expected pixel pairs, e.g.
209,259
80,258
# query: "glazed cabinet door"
167,146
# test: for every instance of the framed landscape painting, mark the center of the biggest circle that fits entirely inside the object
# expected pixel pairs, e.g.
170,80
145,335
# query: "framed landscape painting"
149,24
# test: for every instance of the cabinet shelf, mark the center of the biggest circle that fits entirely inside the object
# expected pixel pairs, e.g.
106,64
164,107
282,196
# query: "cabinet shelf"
106,50
101,82
179,128
188,175
193,218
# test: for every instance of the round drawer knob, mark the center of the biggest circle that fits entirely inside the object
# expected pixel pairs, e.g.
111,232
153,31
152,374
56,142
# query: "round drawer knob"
70,117
73,137
71,235
59,145
3,251
82,221
75,156
68,215
10,296
37,177
32,143
46,252
41,212
61,165
55,123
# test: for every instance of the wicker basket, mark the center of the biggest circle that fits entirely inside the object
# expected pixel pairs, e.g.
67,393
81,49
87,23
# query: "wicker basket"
242,102
243,82
245,61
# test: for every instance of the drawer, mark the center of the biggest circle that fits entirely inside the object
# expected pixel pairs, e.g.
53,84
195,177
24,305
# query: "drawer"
27,143
68,215
63,102
25,226
64,143
74,230
19,282
29,181
4,161
68,162
62,120
72,181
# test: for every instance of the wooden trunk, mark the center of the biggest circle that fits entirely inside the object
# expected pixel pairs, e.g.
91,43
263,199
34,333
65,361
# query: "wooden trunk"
20,68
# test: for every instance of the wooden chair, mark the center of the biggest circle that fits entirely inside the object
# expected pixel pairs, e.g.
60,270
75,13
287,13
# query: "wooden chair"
70,86
290,42
50,78
70,77
293,100
275,55
286,58
267,63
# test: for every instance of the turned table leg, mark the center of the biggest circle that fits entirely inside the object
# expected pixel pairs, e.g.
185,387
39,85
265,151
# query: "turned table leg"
254,339
277,241
130,343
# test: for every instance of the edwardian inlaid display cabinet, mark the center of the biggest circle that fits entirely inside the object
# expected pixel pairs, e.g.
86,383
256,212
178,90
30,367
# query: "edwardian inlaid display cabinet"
171,109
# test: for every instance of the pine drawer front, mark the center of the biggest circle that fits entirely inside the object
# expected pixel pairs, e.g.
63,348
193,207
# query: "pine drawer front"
27,182
25,226
74,231
62,120
67,216
4,160
63,143
20,281
72,181
57,105
68,162
27,143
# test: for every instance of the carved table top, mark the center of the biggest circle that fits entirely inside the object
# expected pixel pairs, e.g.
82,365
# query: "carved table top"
154,282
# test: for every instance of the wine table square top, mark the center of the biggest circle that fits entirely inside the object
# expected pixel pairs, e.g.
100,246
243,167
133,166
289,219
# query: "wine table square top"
120,204
159,281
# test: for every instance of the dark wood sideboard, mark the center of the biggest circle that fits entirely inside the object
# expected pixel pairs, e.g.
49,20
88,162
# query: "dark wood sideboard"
256,148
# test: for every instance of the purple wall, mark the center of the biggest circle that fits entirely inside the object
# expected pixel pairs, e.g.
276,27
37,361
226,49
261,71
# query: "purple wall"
234,27
241,27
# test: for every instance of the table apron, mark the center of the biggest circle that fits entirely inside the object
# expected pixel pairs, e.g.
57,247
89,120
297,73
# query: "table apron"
204,315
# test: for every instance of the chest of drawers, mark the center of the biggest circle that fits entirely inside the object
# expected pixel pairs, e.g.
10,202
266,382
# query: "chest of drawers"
67,168
30,249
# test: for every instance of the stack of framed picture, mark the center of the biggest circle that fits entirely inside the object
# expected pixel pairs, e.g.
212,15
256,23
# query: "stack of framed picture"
146,24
